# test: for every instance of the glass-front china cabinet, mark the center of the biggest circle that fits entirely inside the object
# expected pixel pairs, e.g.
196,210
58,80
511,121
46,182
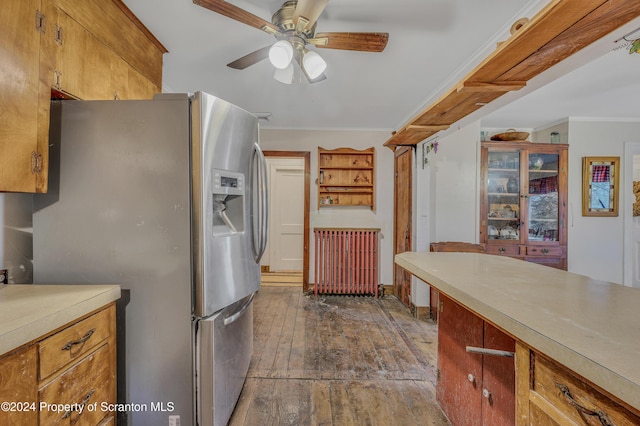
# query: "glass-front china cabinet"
523,211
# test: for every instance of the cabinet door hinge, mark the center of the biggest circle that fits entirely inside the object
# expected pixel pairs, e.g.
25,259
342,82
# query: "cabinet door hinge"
36,162
57,79
57,34
40,22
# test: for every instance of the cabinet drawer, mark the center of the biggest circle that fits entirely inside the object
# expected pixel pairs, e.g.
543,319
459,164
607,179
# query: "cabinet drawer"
75,341
504,249
90,381
553,251
573,397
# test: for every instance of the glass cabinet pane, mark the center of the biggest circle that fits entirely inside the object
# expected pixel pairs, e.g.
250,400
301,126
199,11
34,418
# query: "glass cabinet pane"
542,209
503,194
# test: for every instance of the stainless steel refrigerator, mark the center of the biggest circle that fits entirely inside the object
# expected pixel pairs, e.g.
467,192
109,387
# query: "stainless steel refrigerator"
166,197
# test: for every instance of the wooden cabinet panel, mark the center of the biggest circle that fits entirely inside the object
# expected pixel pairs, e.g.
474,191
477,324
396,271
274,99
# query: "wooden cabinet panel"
472,388
546,251
551,394
90,49
74,342
89,381
576,399
499,379
80,64
459,372
84,67
127,83
504,249
121,32
88,377
19,85
19,385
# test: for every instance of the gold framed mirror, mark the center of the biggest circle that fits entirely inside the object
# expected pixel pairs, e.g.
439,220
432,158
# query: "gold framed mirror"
600,186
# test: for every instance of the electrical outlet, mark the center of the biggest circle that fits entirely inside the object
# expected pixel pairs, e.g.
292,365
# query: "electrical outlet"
4,276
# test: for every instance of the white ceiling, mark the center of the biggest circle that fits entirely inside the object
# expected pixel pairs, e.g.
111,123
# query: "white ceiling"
432,45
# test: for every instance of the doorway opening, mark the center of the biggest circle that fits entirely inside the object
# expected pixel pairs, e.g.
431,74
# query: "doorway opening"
286,260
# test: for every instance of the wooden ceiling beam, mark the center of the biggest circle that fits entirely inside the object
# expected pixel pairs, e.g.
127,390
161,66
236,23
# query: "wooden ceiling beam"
495,86
589,29
560,29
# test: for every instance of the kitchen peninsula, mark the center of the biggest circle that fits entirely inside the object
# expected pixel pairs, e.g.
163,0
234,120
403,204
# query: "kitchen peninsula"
576,339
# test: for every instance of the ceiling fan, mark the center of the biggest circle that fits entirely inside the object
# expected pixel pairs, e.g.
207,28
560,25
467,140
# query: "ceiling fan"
294,26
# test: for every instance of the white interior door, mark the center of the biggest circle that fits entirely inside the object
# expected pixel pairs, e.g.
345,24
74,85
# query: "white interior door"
631,223
286,224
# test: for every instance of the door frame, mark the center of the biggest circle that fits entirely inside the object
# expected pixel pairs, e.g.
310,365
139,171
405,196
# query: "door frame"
630,149
397,153
306,155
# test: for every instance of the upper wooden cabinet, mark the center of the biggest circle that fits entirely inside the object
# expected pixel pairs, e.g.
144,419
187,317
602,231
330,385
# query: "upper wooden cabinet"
523,210
19,76
90,49
346,177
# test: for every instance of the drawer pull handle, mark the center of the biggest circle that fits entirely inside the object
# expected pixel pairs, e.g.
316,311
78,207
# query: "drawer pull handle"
545,251
82,404
69,345
502,249
601,415
485,351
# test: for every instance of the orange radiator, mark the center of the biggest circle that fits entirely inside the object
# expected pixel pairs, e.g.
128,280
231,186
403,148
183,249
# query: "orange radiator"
346,261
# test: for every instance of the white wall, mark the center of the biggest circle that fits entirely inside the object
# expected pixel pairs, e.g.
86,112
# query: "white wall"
357,217
455,171
595,246
16,237
446,201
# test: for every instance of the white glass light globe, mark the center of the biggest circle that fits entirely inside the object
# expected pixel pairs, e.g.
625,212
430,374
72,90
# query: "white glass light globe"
284,75
281,54
314,65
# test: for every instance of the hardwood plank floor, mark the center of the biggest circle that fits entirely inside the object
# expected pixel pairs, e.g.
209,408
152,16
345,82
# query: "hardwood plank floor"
338,360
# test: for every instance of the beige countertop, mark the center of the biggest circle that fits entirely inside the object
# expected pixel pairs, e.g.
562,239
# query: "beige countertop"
590,326
28,311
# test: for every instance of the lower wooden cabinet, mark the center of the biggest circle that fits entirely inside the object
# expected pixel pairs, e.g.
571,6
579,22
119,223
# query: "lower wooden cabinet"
472,388
550,394
19,387
63,378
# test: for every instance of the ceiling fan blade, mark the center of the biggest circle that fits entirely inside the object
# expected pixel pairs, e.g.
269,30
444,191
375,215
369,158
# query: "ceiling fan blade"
310,10
250,59
365,42
234,12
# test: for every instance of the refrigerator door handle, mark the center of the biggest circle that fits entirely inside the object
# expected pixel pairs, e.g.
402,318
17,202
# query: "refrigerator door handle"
263,206
235,317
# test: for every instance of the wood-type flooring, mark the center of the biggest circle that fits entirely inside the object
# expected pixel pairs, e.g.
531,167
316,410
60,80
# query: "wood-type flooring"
338,360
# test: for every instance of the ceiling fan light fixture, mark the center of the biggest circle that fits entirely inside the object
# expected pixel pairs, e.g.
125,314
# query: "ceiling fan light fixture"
313,64
281,54
284,75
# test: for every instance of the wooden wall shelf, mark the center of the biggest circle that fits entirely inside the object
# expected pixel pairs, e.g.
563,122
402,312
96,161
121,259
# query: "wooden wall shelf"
346,177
